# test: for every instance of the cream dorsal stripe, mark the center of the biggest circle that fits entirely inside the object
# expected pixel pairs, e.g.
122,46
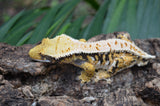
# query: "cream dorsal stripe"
66,46
113,45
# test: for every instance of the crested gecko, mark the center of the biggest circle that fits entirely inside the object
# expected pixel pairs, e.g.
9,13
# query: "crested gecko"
111,55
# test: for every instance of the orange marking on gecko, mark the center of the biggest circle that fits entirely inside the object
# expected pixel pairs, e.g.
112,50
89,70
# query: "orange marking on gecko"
121,45
131,47
125,44
140,52
115,42
134,49
68,50
108,44
98,45
97,48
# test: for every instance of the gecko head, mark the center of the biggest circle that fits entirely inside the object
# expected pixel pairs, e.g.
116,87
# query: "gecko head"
35,53
54,48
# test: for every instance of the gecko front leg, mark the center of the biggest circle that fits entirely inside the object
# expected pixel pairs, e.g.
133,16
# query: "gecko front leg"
123,36
89,70
88,73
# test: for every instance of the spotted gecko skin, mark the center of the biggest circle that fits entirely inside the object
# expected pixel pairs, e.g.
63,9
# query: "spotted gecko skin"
106,56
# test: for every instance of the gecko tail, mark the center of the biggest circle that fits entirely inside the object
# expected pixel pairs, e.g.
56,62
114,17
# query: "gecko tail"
145,60
150,57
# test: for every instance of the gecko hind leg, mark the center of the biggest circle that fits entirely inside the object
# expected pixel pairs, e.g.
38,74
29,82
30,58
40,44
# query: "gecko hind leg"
123,35
88,73
119,64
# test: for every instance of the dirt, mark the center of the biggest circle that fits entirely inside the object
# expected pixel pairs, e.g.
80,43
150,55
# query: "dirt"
27,82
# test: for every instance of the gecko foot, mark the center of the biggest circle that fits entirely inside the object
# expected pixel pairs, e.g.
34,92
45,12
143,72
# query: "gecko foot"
101,74
84,77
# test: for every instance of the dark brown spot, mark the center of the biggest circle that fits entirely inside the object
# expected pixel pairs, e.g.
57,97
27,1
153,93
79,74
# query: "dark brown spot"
100,58
117,63
90,45
107,57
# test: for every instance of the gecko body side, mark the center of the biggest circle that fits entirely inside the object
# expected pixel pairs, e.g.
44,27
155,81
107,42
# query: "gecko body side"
111,56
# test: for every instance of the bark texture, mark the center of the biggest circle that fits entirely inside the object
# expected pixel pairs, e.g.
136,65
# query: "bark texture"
26,82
